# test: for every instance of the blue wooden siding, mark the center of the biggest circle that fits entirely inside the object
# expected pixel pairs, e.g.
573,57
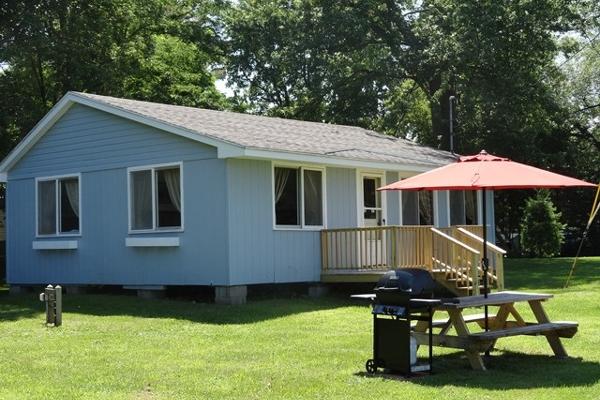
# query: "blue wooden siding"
228,239
341,197
491,217
102,257
442,217
257,252
85,139
260,254
393,200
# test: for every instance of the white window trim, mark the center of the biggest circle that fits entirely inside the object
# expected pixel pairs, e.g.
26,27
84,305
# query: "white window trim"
153,169
360,174
301,168
57,232
152,242
434,199
54,244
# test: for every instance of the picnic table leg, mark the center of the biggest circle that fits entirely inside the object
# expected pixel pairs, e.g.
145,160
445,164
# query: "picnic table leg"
553,339
517,316
462,330
501,316
422,326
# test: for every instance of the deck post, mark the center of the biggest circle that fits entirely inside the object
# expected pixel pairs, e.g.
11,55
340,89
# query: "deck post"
324,250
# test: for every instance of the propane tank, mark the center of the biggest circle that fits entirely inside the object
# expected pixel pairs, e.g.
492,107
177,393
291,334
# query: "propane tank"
413,350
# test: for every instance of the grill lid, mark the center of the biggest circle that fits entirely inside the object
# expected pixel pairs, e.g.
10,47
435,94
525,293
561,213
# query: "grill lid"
400,285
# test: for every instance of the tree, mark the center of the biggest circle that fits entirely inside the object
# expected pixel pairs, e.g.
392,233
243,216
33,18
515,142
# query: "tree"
157,50
542,233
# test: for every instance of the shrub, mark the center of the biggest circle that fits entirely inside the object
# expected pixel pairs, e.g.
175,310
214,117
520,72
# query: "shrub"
541,229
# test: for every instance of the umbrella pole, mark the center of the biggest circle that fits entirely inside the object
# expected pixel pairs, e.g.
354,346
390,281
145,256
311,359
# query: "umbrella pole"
484,259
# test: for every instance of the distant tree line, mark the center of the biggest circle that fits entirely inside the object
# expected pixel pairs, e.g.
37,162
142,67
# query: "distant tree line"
525,73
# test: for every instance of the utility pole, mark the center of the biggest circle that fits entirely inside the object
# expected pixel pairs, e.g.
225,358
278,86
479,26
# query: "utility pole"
451,104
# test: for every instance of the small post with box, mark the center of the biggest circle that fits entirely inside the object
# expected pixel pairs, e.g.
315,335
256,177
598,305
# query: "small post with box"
52,296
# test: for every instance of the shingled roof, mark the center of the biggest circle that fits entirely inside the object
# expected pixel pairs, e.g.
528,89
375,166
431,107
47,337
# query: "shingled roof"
252,136
286,135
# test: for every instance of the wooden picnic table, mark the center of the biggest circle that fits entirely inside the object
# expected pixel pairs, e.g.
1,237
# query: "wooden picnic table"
500,326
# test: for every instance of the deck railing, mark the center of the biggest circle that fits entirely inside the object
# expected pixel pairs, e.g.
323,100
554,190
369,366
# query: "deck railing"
455,250
459,262
495,255
376,248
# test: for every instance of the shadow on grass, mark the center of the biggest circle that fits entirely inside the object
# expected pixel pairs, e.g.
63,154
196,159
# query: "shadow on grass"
544,274
506,370
14,307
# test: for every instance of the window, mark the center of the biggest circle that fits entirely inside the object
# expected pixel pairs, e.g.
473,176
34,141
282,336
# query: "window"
417,208
463,207
155,198
58,206
298,197
372,201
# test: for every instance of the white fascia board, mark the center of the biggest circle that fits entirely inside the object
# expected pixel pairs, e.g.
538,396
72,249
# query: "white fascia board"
35,134
152,242
333,161
54,244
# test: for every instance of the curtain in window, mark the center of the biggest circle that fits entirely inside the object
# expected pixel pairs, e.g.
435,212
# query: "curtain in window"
313,198
141,190
72,189
173,186
425,208
47,207
281,177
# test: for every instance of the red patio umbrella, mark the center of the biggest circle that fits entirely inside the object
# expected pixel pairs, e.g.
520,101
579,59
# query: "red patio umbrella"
484,171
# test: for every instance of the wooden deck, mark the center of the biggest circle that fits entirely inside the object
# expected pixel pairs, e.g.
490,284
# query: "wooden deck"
451,254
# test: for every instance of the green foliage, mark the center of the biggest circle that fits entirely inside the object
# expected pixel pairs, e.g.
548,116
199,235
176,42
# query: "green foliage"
541,229
407,113
174,72
158,50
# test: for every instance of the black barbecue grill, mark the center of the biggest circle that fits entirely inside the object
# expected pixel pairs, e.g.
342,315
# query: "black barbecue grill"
401,296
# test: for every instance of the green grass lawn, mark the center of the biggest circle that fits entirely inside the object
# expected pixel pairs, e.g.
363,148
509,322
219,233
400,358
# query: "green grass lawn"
122,347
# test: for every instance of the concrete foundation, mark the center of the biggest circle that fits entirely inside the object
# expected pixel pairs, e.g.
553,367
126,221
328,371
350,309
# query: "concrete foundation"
316,291
150,294
148,291
231,294
17,289
76,289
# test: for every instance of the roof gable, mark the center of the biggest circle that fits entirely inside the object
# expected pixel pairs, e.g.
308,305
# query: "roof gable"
245,135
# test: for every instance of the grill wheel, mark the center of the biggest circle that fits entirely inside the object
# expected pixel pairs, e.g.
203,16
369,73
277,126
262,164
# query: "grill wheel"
370,366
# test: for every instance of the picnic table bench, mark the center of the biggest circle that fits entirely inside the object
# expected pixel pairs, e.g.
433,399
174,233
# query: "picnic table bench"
499,324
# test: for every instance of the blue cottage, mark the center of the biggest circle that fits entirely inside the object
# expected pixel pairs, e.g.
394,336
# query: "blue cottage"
110,191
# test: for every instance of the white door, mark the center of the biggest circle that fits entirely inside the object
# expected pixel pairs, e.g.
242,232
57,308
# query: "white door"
372,207
372,249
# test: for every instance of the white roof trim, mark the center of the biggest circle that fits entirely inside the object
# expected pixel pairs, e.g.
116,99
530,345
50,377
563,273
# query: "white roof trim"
224,149
331,160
